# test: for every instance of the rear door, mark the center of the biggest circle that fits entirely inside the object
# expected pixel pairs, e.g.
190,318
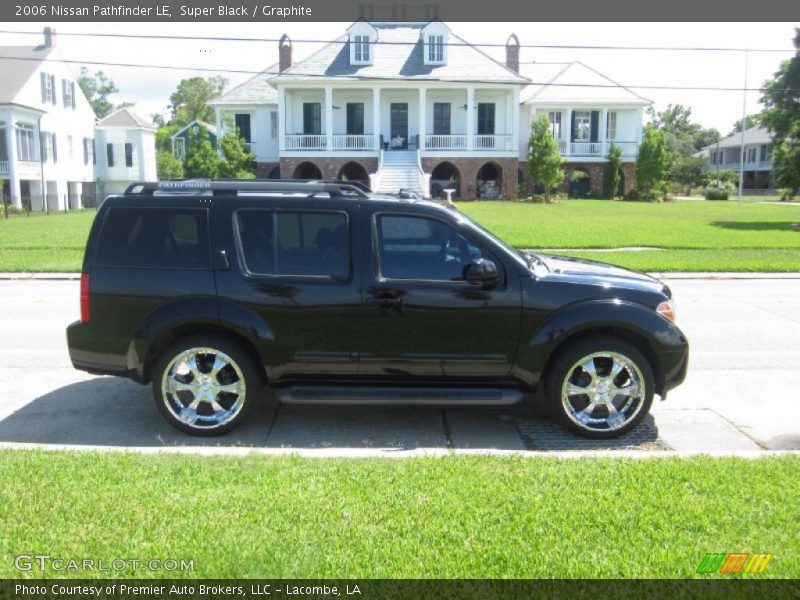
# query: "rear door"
421,318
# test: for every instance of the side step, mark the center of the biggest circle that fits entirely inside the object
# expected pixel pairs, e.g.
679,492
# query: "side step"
430,396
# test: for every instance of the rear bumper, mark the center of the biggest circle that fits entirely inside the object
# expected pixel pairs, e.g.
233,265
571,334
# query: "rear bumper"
86,352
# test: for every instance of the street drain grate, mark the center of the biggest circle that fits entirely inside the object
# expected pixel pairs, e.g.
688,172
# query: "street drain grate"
545,435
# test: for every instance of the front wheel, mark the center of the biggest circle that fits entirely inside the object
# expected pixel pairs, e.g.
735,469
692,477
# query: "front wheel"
205,385
600,388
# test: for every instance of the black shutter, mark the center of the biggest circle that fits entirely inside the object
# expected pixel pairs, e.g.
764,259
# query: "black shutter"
128,155
86,151
43,144
53,87
312,118
72,87
441,118
110,154
55,148
94,153
572,128
43,77
64,83
355,118
594,130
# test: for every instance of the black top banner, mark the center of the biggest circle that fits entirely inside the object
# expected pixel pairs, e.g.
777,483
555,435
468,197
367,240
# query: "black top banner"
351,10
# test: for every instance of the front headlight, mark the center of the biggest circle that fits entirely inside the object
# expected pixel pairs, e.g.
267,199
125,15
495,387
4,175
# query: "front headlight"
667,309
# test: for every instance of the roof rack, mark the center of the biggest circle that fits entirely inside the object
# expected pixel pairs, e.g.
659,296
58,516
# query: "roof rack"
231,187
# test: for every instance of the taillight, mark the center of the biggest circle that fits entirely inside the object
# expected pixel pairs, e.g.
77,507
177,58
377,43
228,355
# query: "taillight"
84,297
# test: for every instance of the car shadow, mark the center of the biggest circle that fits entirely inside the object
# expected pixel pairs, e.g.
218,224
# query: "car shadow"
756,225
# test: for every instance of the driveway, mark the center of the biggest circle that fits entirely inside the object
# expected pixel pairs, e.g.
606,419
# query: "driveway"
740,394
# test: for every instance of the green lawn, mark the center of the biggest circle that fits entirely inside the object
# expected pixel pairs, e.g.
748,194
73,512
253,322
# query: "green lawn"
448,517
693,235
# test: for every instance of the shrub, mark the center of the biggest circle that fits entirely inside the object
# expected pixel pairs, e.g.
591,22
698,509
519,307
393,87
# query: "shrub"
716,193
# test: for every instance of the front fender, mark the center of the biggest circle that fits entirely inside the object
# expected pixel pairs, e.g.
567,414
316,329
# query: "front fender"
666,345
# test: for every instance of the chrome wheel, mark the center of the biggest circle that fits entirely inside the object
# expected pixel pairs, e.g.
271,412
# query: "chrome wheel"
203,388
603,391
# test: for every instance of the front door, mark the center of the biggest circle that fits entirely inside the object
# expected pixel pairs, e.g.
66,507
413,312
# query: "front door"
422,319
398,112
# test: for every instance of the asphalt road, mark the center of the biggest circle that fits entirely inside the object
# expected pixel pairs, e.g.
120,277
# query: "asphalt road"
741,392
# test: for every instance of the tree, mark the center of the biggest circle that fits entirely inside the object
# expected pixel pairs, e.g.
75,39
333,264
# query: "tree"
97,88
238,162
201,159
749,121
190,100
611,176
652,164
689,171
681,134
544,160
782,117
167,166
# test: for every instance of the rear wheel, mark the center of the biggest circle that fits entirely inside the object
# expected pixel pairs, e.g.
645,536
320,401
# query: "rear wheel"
205,385
600,388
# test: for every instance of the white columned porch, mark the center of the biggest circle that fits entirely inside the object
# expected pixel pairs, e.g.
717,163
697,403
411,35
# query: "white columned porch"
603,132
470,118
515,109
568,129
282,116
376,118
13,179
328,117
422,119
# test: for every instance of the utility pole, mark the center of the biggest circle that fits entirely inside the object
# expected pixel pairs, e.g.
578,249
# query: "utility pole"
744,118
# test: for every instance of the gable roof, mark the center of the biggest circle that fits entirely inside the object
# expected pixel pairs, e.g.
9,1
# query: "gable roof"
754,135
207,126
574,82
255,90
124,117
399,54
17,65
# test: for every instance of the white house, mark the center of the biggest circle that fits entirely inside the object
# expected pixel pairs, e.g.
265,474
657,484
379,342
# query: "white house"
126,152
727,155
46,129
412,105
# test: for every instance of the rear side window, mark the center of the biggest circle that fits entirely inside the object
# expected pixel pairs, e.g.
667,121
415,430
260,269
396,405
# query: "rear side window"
154,238
296,243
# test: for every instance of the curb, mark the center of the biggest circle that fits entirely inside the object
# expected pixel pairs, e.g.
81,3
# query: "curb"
40,276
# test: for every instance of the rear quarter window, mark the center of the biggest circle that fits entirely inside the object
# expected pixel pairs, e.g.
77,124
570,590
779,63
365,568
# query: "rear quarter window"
154,238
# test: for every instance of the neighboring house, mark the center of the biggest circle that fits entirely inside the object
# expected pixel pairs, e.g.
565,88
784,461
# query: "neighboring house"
126,152
46,129
727,155
412,105
587,111
182,138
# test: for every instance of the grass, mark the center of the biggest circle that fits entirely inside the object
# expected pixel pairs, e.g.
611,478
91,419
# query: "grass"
447,517
692,235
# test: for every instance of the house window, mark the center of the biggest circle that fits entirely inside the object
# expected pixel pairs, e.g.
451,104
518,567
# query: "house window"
86,143
555,123
110,154
273,124
712,157
312,118
355,118
179,148
611,126
242,121
48,88
70,149
486,118
435,48
441,118
582,130
361,51
68,89
768,154
128,155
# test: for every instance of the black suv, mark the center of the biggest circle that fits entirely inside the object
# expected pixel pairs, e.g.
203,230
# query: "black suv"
214,290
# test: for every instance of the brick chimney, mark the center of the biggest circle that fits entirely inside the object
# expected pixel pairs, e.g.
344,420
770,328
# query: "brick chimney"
49,37
512,53
284,53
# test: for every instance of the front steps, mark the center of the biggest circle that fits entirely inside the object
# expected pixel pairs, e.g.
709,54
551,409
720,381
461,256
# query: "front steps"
399,171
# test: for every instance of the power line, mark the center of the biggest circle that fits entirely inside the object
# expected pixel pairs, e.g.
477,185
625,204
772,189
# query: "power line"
403,43
385,78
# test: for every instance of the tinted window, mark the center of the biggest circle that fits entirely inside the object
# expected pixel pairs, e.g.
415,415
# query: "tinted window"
155,238
308,243
422,248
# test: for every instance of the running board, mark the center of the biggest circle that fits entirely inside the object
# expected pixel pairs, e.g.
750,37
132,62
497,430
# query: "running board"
313,394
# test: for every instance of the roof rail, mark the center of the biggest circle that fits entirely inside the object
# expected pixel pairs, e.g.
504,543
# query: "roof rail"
230,187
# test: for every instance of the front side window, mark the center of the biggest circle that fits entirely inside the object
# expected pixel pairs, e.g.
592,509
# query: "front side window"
296,243
611,125
436,48
48,88
68,88
179,148
422,249
154,238
555,123
582,130
26,147
312,118
273,124
361,48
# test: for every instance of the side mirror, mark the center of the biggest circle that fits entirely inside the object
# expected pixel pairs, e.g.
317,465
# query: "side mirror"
481,272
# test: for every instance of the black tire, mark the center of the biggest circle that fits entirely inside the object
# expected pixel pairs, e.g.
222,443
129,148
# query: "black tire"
565,370
235,406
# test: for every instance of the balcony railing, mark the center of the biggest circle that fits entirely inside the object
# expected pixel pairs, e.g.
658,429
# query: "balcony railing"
445,142
595,149
354,142
4,168
586,148
28,168
306,142
500,142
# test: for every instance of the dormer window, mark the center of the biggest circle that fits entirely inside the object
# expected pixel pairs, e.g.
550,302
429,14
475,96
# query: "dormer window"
361,49
435,49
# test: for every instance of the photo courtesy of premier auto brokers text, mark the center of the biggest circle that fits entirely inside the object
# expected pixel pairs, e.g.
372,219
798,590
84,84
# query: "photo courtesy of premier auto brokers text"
339,299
